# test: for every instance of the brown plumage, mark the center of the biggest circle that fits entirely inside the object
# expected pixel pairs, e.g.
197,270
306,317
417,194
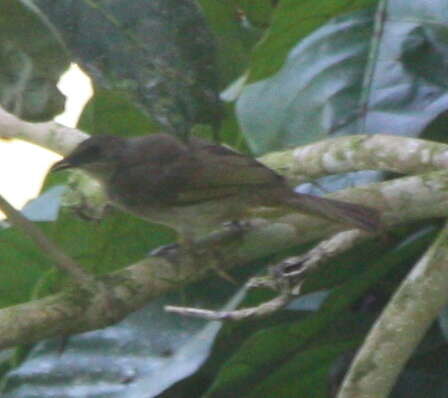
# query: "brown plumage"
193,187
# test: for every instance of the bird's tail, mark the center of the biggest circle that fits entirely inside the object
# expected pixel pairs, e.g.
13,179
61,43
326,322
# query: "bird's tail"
359,216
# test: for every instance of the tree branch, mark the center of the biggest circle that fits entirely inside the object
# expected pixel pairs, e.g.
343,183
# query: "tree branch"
288,277
396,334
62,261
332,156
360,152
75,310
259,311
50,135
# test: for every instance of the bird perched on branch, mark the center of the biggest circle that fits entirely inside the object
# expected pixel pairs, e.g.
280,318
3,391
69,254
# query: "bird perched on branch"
193,187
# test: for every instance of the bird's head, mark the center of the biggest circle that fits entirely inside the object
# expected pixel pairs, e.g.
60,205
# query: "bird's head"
98,155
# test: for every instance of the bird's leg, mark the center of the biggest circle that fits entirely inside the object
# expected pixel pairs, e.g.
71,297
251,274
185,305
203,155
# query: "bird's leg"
202,250
198,253
192,252
232,230
215,264
185,251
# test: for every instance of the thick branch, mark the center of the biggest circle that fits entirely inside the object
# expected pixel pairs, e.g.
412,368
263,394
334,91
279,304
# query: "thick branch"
76,310
50,135
360,152
402,200
402,325
336,155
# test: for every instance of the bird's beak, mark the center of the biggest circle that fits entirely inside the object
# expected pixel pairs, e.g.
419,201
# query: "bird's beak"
61,165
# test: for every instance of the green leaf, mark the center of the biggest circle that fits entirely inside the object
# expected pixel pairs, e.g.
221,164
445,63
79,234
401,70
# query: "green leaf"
233,40
316,90
304,374
258,12
268,349
292,21
111,112
347,78
99,246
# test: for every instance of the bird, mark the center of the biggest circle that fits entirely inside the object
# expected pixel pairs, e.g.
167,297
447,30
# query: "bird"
195,186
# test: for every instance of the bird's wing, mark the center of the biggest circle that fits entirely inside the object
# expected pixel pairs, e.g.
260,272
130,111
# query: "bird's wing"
194,174
222,166
222,172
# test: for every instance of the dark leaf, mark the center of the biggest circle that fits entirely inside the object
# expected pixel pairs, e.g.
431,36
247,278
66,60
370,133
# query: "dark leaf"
159,52
31,62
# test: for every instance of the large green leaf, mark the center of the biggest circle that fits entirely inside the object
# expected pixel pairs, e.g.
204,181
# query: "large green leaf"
377,71
267,351
316,90
292,21
304,373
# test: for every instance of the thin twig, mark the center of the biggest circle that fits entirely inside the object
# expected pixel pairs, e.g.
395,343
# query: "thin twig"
260,311
296,268
62,261
288,278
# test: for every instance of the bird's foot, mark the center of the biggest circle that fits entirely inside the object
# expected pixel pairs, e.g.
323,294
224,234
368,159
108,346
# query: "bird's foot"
204,251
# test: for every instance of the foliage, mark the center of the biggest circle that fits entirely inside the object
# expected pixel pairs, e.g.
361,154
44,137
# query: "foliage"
307,70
